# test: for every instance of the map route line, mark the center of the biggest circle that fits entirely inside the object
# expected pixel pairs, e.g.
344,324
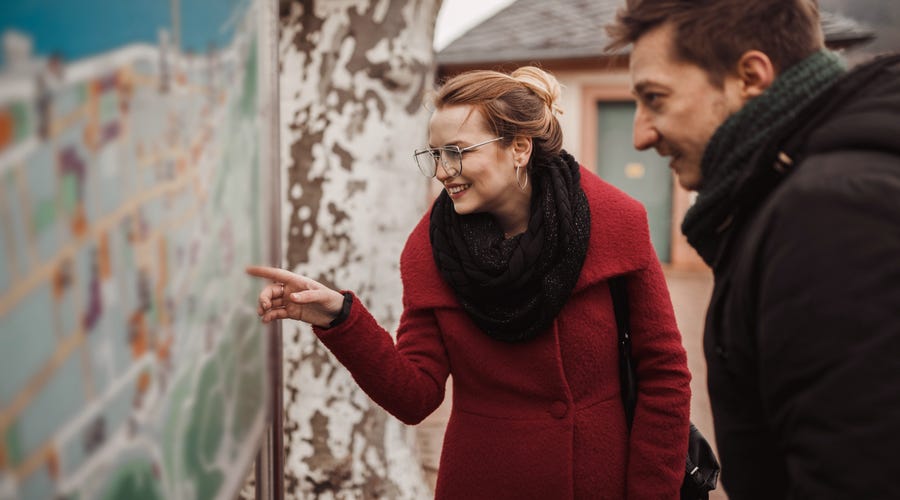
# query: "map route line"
65,122
45,273
44,454
30,239
69,344
95,407
39,379
17,153
6,225
70,484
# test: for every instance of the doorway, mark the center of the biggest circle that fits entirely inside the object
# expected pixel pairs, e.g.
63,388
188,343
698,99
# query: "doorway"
644,175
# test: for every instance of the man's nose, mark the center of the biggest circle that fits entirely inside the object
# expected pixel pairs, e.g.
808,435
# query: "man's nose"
644,134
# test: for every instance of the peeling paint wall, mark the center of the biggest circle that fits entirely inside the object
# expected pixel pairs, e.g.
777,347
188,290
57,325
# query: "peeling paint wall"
353,74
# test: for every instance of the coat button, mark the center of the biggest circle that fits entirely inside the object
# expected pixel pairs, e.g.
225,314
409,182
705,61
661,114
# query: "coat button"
558,409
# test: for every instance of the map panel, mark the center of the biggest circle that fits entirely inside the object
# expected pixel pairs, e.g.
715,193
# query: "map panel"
132,195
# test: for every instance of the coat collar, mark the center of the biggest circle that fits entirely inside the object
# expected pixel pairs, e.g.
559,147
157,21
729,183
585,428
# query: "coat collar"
619,244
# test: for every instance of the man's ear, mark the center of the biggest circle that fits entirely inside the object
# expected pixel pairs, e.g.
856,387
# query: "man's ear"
756,72
522,150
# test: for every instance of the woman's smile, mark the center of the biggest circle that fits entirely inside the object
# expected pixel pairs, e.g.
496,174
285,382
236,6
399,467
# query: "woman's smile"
457,190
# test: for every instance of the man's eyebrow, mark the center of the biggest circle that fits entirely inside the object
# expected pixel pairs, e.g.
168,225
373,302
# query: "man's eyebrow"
645,87
640,87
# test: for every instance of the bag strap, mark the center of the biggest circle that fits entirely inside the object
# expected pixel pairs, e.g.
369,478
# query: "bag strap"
627,379
701,466
620,305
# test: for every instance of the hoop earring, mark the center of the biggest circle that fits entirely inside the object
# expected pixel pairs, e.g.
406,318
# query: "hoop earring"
519,181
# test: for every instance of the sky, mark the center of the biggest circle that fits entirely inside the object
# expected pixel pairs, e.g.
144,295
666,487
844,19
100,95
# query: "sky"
458,16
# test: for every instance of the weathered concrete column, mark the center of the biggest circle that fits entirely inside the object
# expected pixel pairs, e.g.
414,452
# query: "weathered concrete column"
352,75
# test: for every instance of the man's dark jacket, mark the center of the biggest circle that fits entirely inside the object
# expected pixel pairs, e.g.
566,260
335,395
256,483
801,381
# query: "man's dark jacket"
803,331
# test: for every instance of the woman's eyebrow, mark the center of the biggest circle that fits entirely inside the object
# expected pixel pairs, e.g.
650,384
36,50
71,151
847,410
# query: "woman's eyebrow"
454,143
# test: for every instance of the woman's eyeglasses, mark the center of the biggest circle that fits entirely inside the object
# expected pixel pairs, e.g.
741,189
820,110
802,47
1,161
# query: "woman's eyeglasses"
449,157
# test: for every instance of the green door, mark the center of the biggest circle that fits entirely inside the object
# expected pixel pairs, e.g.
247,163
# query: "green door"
644,175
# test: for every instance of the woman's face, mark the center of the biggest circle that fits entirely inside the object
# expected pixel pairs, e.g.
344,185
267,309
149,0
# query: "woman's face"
487,182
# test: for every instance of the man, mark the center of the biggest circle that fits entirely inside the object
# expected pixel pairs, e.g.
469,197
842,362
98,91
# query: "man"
797,166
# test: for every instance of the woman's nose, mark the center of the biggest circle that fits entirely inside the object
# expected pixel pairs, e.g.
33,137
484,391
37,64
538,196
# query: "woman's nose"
440,172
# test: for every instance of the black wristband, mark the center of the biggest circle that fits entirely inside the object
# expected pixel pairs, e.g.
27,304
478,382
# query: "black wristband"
345,311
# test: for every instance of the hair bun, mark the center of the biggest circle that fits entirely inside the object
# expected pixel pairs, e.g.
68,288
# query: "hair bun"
545,85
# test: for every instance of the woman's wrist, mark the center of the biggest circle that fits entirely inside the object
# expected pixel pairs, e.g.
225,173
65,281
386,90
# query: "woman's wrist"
344,313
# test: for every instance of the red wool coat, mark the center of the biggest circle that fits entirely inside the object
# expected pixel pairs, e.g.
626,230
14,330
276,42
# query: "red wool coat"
542,419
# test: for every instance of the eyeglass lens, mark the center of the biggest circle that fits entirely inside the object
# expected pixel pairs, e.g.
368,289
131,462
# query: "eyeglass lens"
450,159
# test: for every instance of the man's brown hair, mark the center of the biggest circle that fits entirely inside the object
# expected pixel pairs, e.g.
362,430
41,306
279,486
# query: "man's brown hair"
714,34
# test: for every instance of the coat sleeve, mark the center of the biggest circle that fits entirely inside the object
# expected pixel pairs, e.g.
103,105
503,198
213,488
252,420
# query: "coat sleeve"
829,328
407,378
658,440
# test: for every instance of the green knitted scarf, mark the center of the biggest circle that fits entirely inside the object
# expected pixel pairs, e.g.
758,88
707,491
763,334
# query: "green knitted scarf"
729,153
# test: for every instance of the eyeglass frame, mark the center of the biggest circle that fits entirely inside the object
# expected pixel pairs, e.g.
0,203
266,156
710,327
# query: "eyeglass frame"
454,148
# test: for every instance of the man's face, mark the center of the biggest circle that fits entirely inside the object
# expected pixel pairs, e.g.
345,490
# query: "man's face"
678,108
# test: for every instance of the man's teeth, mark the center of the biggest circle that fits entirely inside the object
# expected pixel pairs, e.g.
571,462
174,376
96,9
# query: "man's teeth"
457,189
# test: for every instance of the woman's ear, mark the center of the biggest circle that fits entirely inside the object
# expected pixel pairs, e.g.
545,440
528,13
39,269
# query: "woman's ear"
521,147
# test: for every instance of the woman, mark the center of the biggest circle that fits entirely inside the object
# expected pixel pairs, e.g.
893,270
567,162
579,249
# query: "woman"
505,288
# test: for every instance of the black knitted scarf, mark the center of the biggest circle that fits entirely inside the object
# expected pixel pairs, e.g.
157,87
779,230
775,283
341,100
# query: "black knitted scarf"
735,143
514,288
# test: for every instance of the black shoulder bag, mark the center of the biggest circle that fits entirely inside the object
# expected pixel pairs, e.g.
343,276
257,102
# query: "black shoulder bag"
701,468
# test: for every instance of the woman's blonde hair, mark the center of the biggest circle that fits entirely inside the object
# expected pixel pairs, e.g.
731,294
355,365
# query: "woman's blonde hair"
520,104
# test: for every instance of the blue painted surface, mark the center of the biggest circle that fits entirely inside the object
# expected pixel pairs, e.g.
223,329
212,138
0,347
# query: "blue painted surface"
82,28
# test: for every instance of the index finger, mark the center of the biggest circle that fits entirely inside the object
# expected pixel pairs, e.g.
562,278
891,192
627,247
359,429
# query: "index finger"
272,273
